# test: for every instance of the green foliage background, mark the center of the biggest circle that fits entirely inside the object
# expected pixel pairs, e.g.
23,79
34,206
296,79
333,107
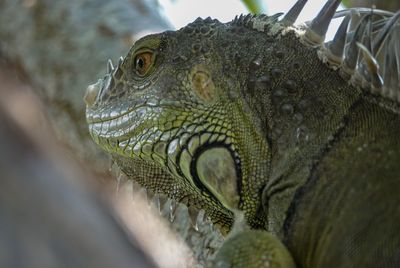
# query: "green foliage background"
254,6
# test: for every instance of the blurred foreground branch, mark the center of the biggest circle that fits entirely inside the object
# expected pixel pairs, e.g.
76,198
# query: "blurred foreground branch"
50,213
59,47
62,46
48,216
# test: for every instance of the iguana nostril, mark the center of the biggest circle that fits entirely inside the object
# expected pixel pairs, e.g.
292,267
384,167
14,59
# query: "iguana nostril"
91,93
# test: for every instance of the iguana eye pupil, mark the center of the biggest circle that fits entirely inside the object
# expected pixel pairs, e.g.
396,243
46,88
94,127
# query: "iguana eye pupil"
140,63
143,62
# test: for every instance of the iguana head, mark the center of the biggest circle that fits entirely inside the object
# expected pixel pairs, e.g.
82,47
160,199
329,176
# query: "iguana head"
173,117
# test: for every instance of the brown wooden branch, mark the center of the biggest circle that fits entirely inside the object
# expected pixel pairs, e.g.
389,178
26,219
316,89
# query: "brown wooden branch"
62,46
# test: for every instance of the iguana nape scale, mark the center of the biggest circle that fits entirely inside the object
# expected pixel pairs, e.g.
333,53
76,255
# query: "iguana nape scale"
261,117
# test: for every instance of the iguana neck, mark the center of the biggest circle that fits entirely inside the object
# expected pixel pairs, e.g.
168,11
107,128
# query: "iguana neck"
300,105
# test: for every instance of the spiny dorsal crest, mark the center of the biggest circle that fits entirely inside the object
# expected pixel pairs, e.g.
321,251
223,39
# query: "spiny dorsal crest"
259,22
206,26
367,55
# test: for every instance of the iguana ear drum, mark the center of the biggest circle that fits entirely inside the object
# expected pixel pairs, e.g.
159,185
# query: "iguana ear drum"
216,169
202,83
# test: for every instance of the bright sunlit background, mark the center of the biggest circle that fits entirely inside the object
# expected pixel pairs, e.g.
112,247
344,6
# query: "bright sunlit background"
182,12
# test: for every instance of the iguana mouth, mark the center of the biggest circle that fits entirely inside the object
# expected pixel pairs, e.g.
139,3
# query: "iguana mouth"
117,112
176,149
118,125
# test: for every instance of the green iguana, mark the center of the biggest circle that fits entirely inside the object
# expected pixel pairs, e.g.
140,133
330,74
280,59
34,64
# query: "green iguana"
262,119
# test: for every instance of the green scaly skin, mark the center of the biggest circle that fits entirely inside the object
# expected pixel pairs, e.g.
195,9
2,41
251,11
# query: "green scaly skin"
244,117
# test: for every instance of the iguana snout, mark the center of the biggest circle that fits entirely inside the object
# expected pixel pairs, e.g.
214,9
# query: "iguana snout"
91,93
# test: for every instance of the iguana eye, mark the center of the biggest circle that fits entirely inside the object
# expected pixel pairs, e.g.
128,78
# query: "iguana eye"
142,63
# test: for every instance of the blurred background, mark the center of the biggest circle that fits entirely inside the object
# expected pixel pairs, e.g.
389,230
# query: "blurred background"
182,12
58,201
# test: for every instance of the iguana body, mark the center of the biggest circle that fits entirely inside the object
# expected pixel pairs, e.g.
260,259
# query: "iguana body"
244,116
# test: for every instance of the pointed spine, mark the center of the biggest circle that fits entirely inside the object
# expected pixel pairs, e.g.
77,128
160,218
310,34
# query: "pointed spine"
352,50
335,48
292,15
315,33
384,32
110,67
371,72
